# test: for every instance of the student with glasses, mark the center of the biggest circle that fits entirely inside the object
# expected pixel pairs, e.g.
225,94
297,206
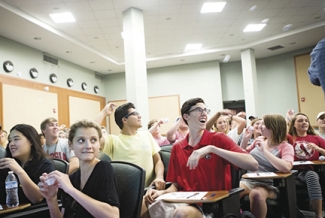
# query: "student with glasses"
221,121
321,124
200,162
131,145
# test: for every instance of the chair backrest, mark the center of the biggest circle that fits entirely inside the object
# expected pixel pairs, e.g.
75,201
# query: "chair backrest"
61,165
104,157
165,157
130,187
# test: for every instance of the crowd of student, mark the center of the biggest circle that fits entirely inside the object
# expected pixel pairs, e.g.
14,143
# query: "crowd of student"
203,152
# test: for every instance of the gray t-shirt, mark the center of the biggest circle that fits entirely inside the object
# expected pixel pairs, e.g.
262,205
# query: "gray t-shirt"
2,152
60,150
320,134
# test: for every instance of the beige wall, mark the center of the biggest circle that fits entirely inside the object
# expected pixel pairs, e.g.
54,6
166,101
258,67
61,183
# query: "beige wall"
313,95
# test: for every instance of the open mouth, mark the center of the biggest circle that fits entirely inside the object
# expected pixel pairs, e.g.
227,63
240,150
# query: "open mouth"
202,120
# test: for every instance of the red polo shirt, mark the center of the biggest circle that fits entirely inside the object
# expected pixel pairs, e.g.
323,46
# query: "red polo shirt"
212,172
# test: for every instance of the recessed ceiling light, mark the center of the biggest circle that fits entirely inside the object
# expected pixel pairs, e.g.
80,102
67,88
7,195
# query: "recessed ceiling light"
109,70
68,52
287,27
182,60
192,47
168,18
316,18
210,7
96,37
37,38
231,34
66,17
266,20
222,55
254,27
226,59
292,43
253,8
92,62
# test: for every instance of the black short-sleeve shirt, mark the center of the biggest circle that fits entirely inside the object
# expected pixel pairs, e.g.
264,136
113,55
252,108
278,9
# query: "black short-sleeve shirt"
101,185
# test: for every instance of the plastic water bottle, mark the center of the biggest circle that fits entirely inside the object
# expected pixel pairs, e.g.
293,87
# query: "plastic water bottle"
12,199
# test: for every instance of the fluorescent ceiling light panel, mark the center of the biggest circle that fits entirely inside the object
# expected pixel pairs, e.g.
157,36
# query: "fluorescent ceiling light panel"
66,17
254,27
192,47
211,7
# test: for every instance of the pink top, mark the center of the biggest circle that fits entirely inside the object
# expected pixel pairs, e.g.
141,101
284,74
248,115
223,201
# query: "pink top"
162,141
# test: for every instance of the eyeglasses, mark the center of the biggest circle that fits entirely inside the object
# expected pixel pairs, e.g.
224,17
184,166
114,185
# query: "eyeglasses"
132,113
201,110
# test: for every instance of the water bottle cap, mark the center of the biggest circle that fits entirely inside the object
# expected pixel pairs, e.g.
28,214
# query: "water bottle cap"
10,172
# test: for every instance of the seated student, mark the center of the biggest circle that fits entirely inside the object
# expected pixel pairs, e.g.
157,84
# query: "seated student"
3,139
221,123
27,159
91,190
200,162
321,124
177,131
273,154
154,129
57,147
307,146
131,145
251,133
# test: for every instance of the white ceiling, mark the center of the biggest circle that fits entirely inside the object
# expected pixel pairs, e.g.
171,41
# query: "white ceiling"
95,39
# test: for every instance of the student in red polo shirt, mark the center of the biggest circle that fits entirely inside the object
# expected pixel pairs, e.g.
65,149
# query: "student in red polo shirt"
200,162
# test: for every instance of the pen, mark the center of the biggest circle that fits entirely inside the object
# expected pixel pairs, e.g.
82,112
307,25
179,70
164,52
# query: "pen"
257,173
192,195
213,194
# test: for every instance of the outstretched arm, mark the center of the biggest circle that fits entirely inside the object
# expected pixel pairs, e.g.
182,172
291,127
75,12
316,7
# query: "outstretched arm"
244,160
171,134
107,111
215,117
153,128
241,123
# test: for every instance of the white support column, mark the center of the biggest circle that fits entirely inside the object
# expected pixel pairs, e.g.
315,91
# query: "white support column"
135,62
250,82
218,94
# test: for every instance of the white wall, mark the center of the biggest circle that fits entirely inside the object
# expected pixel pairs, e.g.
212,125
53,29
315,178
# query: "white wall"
24,58
275,75
188,81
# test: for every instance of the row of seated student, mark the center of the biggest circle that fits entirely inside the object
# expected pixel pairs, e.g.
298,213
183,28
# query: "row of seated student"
192,152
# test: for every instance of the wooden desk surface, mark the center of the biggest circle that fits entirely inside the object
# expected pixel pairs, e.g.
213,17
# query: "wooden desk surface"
318,162
278,176
211,196
19,207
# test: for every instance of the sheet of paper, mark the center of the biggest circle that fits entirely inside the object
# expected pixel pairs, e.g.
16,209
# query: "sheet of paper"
295,163
264,174
183,195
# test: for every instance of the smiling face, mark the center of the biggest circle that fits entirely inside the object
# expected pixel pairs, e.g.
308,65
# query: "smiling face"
51,130
301,124
133,119
86,144
3,139
195,118
222,124
256,126
19,146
